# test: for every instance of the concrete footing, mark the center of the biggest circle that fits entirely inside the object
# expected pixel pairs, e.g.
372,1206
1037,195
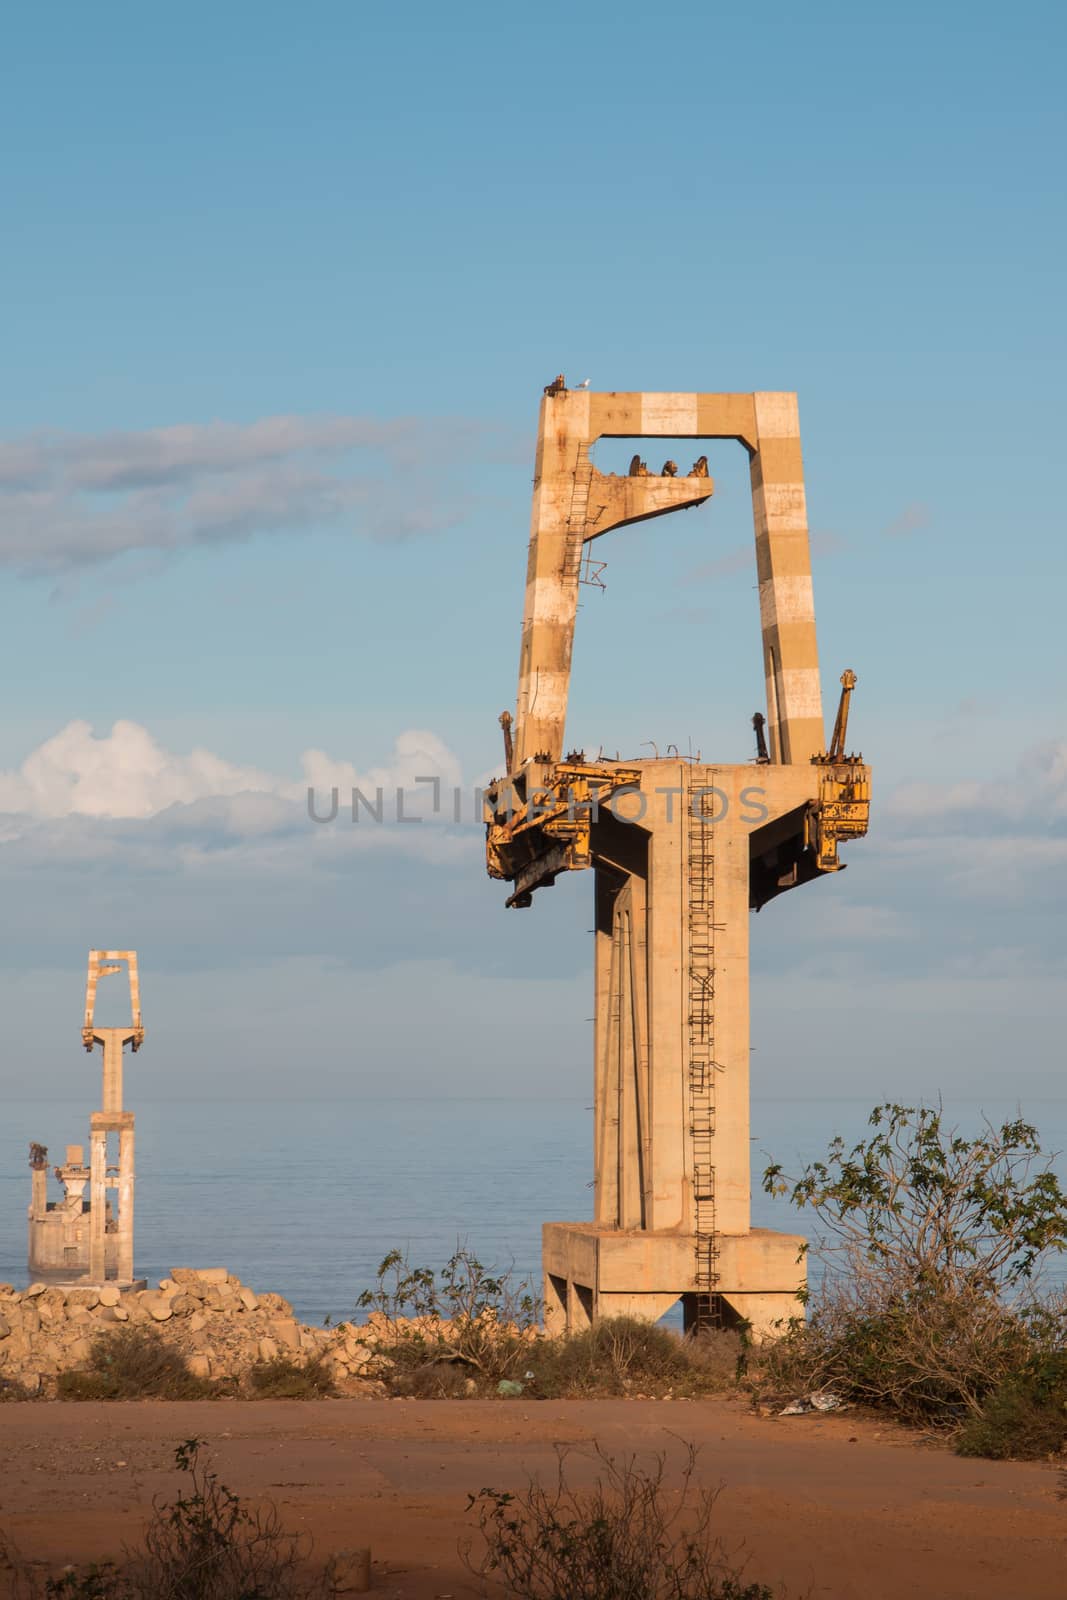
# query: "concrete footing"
591,1271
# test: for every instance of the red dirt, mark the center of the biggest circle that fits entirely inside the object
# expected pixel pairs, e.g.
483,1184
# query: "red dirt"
835,1506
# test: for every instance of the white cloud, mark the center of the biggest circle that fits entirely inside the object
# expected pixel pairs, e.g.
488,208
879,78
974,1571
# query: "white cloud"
126,773
416,755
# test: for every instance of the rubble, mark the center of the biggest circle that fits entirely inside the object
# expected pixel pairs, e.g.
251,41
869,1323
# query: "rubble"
219,1324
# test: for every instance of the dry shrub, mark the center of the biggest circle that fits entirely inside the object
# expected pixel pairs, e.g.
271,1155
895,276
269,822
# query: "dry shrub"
12,1389
205,1545
133,1364
465,1313
933,1244
208,1545
718,1357
625,1355
284,1379
463,1330
927,1358
628,1537
440,1363
429,1379
1025,1418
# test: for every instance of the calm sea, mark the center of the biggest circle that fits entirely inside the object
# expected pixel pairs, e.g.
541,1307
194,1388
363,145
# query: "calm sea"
306,1197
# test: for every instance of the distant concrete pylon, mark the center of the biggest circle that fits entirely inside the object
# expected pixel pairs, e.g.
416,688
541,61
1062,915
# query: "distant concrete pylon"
111,1118
75,1241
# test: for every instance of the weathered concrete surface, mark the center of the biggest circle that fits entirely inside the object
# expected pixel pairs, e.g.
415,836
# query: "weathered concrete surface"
592,1271
573,503
682,851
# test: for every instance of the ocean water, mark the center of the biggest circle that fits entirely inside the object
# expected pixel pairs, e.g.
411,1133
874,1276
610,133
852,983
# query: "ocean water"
307,1197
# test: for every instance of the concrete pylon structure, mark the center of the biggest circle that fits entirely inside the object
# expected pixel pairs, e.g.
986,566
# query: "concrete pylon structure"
93,1241
682,851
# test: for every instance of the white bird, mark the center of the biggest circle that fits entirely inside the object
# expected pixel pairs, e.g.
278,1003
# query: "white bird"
584,384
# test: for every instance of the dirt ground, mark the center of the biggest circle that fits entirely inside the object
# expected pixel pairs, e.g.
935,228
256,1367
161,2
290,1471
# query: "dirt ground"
832,1506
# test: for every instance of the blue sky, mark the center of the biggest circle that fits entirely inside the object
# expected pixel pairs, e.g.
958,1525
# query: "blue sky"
392,234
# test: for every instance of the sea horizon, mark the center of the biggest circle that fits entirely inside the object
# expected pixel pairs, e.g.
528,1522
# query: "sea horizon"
309,1206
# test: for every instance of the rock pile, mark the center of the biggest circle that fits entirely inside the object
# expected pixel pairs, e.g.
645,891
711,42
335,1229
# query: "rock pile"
221,1326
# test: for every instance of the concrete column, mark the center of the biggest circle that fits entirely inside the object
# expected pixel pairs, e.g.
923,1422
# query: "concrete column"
666,821
112,1040
642,1086
605,1095
730,1145
557,528
125,1198
555,1297
97,1205
580,1307
630,1129
783,562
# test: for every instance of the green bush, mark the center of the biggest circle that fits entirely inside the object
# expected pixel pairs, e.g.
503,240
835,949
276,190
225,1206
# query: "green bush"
931,1240
133,1364
1025,1418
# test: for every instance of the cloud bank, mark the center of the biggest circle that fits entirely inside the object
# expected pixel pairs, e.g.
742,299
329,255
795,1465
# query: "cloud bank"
73,500
126,773
942,953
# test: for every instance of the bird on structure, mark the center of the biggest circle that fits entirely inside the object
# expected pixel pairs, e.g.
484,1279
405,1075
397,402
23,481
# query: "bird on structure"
584,384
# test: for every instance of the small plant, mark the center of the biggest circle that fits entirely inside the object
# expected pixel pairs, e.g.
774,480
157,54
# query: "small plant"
208,1545
463,1291
467,1314
932,1209
284,1379
133,1364
932,1240
626,1538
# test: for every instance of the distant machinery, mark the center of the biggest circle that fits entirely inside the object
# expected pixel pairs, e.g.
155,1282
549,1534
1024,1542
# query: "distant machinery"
92,1239
682,850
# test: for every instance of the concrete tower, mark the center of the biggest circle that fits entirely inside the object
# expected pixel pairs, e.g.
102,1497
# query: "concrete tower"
92,1241
681,852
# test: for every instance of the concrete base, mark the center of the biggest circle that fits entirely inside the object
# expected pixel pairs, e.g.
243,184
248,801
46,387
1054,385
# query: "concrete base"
56,1278
592,1272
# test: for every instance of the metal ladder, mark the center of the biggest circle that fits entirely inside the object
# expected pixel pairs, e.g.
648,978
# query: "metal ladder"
700,1048
578,515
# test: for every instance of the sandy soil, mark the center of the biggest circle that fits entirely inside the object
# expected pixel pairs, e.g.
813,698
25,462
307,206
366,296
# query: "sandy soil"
834,1506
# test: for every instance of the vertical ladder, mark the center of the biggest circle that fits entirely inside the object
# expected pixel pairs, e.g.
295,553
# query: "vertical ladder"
577,516
700,1046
